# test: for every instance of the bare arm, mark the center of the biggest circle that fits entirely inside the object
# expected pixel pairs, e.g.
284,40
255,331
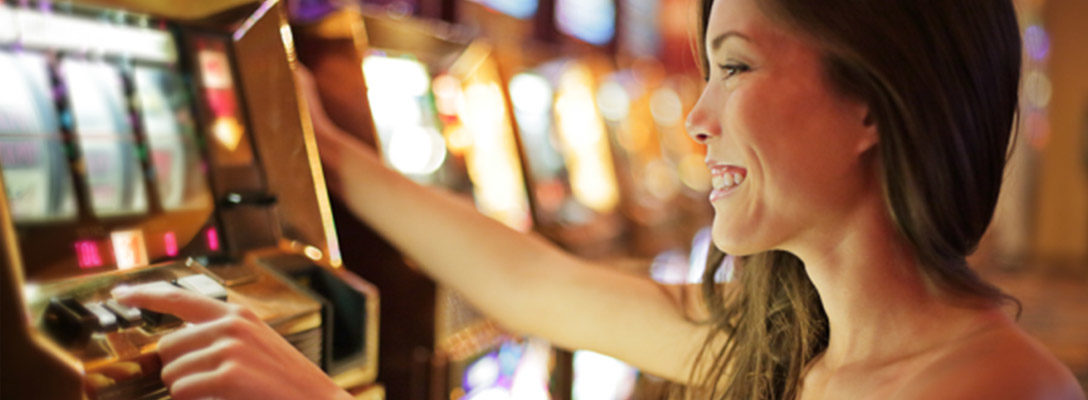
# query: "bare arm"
522,281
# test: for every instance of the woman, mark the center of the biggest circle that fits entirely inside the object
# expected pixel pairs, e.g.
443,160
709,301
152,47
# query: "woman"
857,150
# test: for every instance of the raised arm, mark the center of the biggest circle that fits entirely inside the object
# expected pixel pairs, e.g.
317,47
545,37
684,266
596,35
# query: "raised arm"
522,281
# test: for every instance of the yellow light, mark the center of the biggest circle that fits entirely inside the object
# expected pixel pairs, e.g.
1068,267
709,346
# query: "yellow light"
666,107
492,162
583,135
312,252
227,131
613,101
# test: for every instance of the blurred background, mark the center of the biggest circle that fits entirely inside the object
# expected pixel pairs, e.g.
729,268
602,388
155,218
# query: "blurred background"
623,69
165,143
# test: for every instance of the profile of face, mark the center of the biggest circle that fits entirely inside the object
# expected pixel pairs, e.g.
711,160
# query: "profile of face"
790,157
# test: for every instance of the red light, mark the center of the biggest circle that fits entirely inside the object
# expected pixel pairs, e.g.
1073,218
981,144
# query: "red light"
170,242
87,254
213,239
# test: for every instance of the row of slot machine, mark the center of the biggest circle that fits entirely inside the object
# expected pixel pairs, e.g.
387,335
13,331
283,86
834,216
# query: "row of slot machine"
161,144
576,135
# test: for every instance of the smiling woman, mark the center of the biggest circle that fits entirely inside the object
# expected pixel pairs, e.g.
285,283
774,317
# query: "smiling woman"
857,150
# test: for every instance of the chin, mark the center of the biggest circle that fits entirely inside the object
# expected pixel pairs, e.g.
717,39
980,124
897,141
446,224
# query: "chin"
734,243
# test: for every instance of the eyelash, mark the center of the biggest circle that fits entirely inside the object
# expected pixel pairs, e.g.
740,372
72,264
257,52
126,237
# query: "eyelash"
733,69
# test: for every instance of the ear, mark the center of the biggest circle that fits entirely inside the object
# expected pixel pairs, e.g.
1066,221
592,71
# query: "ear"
869,135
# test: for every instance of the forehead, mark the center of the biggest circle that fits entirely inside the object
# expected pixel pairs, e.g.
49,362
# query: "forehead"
741,16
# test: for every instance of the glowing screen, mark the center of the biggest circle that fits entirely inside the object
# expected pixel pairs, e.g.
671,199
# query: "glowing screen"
168,122
593,21
230,144
35,168
105,137
514,8
399,93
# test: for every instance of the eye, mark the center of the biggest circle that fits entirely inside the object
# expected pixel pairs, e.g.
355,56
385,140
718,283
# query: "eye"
731,69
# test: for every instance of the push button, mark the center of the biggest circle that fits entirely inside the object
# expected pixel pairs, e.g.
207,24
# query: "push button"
105,320
204,285
69,321
154,319
129,315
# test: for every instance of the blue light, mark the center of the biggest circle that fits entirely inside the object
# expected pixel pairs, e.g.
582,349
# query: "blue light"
593,21
515,8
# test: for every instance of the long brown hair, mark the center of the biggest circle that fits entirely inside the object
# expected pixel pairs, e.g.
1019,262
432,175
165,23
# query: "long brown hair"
940,78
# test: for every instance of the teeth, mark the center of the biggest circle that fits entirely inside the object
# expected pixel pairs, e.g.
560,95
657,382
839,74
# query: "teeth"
726,180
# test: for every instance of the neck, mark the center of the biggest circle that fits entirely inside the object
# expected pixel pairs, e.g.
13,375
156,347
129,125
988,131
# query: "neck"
879,306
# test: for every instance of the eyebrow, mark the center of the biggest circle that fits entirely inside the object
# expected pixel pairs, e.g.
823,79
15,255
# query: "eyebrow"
717,42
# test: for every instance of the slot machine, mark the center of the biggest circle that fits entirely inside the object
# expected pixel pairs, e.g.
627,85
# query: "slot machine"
431,100
161,144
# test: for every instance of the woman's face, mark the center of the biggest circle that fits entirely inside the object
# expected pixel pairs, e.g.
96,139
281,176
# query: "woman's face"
787,153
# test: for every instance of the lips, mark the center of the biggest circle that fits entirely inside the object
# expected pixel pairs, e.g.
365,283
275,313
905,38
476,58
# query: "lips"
725,178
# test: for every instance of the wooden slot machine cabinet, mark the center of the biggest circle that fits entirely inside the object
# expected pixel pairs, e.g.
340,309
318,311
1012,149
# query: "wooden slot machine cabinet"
163,144
431,100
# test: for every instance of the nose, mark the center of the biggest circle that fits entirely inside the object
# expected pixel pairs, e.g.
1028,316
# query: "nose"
700,121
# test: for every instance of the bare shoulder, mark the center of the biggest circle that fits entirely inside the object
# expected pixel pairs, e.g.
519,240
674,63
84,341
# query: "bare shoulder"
1002,362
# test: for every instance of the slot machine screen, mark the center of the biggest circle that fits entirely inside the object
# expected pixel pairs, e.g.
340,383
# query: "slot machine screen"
515,8
399,90
230,143
168,122
35,168
592,21
105,136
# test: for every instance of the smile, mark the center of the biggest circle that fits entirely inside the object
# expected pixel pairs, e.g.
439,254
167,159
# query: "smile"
725,179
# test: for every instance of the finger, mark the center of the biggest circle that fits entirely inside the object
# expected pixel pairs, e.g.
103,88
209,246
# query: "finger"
166,298
201,385
177,343
200,360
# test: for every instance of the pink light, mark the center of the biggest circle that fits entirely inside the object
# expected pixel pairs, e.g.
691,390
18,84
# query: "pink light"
213,239
87,254
170,242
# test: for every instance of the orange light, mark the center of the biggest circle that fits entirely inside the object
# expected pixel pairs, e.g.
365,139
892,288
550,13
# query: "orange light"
129,248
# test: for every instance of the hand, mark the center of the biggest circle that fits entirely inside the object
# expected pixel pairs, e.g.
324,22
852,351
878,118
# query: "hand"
226,352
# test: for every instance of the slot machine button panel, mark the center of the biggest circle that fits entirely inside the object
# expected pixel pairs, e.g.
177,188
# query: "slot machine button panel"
69,321
105,320
204,285
154,319
130,316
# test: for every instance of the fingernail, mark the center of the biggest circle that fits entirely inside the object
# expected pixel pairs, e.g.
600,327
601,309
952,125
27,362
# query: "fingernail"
121,291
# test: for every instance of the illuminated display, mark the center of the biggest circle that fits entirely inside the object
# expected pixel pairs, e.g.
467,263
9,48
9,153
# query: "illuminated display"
129,249
105,137
231,145
38,30
212,237
593,21
7,24
168,122
35,168
87,255
585,142
597,376
170,244
399,93
514,8
514,371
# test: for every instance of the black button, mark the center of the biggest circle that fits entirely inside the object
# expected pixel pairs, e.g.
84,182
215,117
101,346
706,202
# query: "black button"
69,321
